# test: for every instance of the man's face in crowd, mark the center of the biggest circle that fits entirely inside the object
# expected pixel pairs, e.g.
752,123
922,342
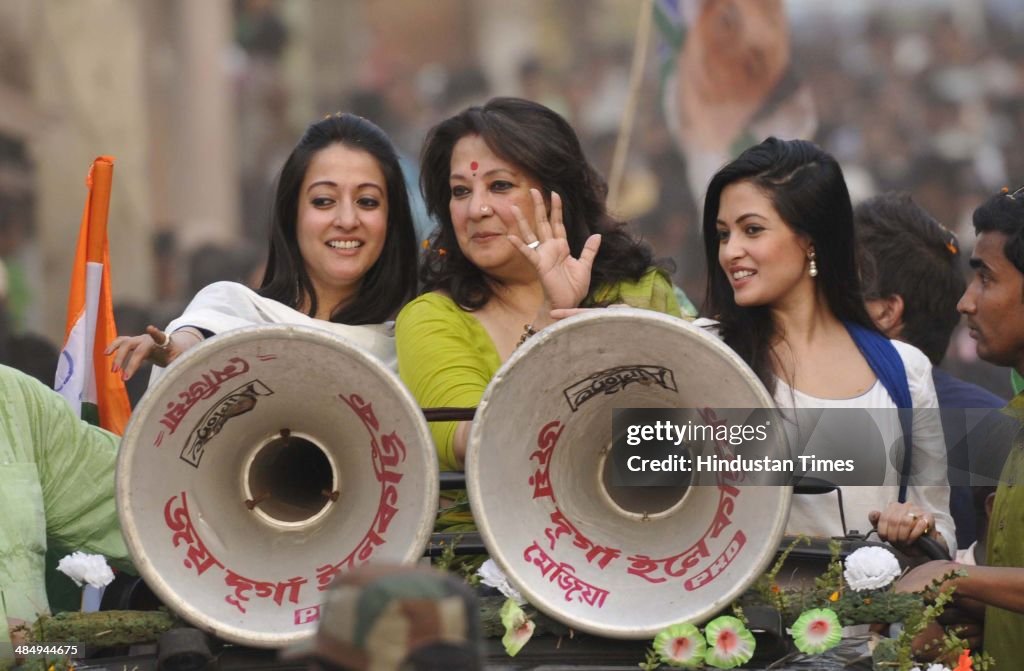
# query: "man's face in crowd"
994,303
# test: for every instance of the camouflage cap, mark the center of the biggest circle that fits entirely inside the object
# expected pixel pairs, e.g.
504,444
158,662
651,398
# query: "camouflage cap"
377,617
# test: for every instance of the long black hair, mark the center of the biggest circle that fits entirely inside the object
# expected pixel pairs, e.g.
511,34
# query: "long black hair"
389,282
543,144
806,186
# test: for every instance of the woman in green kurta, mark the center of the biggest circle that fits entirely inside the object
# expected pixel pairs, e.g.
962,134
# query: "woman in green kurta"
523,231
56,490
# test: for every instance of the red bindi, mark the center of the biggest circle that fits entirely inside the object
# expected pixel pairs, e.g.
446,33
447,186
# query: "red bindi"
474,165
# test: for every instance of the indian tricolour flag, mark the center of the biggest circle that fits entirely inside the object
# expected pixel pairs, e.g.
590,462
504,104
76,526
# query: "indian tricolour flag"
83,372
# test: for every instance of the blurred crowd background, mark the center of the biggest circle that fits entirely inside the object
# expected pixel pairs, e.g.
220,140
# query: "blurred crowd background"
201,100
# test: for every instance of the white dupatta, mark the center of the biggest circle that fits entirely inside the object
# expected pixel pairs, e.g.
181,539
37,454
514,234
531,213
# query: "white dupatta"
224,306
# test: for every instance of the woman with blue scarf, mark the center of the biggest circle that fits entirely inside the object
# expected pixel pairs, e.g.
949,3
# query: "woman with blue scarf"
784,292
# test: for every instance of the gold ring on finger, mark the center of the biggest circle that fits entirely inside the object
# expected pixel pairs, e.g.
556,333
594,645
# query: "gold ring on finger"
166,344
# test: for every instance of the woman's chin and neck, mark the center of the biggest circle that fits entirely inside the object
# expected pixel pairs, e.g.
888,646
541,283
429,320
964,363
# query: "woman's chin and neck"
803,314
329,301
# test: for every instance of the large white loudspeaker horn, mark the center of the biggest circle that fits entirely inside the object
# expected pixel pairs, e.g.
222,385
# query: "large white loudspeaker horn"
263,463
622,562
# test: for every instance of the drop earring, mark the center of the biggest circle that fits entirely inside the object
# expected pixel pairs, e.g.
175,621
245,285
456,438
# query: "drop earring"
813,268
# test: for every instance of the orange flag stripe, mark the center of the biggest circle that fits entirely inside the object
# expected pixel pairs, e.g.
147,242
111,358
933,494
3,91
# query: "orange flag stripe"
111,396
100,175
92,237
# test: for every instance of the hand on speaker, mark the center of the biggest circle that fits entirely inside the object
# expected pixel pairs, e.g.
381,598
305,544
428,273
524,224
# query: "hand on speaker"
156,346
566,280
902,524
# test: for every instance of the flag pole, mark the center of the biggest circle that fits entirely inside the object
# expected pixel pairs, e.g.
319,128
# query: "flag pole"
636,75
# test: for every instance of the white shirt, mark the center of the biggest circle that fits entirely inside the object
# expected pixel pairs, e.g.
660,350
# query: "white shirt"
818,514
223,306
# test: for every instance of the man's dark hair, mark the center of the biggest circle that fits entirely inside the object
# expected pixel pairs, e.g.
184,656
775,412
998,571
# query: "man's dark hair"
907,252
1004,213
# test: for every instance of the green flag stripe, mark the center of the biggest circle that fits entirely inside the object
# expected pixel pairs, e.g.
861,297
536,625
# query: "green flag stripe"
91,413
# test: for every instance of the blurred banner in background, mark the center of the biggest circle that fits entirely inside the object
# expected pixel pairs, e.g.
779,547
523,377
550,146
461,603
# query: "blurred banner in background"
728,80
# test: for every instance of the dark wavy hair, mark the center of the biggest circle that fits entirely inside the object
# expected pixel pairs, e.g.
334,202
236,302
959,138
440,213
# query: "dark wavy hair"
538,141
389,282
807,189
906,252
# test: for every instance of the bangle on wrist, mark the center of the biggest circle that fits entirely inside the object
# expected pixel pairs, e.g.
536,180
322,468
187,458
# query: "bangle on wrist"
528,331
192,332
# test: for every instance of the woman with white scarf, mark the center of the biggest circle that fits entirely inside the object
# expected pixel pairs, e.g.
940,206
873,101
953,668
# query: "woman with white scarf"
342,253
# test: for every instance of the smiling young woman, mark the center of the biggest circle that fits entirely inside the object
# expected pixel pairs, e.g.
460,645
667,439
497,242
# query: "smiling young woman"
784,292
342,252
342,224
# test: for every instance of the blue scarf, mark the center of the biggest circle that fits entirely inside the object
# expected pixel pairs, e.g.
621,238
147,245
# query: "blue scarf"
887,365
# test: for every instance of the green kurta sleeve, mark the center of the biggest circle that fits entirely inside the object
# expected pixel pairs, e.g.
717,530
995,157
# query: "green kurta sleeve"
446,358
1004,629
57,475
